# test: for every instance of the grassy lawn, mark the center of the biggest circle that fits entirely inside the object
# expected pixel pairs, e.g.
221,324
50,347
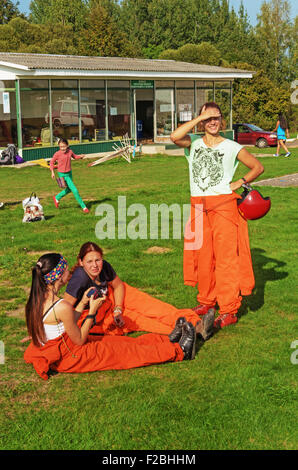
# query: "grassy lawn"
238,393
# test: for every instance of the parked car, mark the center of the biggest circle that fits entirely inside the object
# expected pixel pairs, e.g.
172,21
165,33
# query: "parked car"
65,112
254,135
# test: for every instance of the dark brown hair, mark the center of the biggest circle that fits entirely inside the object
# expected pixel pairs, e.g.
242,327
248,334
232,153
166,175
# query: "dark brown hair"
211,104
63,141
86,248
35,303
282,121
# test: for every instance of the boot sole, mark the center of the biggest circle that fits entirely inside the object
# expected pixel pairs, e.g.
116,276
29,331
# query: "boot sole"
208,322
175,337
193,352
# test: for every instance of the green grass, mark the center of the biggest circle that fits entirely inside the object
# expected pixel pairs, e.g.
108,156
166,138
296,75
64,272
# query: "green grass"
238,393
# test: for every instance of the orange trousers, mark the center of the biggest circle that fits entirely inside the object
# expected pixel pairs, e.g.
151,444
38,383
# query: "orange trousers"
102,353
222,266
142,312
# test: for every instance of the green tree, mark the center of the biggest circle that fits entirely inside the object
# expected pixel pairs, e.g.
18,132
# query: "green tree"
204,53
21,36
103,37
274,31
158,23
259,100
238,32
8,10
61,12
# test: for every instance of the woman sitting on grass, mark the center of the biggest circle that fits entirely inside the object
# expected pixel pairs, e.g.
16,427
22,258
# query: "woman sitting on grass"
58,344
125,308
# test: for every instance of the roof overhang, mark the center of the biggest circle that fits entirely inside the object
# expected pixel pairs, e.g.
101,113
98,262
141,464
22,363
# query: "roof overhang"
10,70
13,66
129,74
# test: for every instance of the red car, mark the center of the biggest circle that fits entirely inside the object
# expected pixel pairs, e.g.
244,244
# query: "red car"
254,135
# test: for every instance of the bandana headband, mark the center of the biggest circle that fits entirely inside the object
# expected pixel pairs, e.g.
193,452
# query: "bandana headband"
53,275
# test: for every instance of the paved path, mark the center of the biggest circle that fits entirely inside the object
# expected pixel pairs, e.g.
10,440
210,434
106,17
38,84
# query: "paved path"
280,182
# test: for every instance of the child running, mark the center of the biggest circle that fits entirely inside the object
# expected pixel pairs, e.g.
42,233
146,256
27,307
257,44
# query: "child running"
63,157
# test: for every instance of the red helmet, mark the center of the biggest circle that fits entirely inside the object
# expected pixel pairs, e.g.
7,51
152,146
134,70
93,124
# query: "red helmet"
252,204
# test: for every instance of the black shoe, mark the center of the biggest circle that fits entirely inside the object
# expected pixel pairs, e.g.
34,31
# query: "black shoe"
205,328
188,341
176,334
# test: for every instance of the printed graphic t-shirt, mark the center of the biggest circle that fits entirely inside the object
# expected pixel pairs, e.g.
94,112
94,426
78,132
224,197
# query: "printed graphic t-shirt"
211,169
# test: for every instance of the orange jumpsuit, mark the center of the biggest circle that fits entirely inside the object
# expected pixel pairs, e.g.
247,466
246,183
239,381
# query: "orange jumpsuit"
113,350
222,266
101,353
142,312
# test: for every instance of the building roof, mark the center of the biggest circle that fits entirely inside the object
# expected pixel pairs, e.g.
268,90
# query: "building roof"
47,62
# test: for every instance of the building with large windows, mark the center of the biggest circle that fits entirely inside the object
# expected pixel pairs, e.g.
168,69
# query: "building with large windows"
93,101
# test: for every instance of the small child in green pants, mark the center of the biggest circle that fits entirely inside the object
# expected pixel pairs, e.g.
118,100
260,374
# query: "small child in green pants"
63,157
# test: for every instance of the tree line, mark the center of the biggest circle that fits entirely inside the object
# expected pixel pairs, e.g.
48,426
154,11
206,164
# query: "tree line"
200,31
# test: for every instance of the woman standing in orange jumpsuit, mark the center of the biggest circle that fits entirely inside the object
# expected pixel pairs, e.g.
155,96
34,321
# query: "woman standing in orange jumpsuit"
221,264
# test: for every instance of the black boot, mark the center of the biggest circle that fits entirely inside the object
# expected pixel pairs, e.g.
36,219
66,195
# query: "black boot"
205,328
188,341
176,334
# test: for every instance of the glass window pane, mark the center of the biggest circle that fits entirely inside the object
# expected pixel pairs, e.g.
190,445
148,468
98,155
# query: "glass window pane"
92,84
35,118
164,112
8,115
185,84
93,112
33,83
204,84
118,83
204,94
119,113
64,84
7,84
185,105
223,99
65,115
223,84
164,83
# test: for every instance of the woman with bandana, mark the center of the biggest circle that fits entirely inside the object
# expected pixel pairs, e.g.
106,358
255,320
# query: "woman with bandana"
59,345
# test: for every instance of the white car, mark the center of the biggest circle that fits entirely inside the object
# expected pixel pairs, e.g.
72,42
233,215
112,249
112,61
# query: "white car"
65,113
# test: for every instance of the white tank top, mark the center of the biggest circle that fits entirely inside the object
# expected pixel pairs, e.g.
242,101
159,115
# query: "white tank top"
53,331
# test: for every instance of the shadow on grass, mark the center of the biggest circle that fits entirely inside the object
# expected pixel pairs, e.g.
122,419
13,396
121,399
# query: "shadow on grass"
263,274
89,204
12,203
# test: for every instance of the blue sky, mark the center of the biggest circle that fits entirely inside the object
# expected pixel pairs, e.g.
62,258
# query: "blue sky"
252,7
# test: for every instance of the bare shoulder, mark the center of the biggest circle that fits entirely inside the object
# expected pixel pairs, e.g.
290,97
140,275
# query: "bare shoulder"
64,308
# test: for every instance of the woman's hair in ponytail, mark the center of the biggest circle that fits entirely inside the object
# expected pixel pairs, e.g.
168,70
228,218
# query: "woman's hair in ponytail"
35,303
